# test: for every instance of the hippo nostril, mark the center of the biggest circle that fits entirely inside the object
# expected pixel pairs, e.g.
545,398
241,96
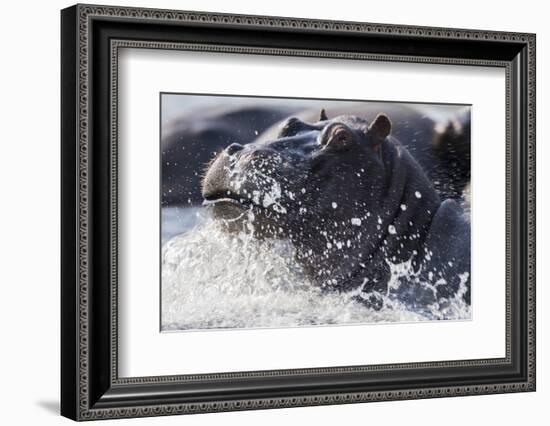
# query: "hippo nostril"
233,148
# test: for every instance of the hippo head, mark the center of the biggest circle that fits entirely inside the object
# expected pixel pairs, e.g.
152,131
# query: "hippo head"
342,190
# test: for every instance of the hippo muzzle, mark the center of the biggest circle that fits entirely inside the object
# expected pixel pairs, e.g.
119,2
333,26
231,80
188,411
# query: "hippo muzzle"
261,177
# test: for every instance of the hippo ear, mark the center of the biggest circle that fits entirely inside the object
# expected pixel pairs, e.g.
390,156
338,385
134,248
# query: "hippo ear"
323,115
380,127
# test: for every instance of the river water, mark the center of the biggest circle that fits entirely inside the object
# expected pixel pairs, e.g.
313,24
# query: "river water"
215,280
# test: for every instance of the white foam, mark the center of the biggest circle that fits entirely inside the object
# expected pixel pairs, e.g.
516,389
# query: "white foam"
212,279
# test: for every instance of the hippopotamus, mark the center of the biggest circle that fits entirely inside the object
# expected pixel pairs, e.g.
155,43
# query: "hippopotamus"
355,204
437,138
192,139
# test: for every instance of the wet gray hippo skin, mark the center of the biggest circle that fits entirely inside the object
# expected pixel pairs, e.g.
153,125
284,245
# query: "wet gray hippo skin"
441,146
353,201
439,143
193,140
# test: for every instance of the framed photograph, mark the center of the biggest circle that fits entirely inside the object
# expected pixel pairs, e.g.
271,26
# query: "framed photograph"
263,212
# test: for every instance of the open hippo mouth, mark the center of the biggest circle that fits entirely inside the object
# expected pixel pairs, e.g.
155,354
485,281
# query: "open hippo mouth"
227,205
233,210
228,197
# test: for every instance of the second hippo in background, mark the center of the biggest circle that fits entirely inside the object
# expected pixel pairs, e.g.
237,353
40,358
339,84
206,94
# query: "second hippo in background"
451,145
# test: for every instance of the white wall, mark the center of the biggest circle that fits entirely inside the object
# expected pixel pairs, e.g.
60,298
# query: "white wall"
29,225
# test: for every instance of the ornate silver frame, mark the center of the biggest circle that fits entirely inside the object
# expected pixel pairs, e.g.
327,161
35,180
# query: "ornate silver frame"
91,388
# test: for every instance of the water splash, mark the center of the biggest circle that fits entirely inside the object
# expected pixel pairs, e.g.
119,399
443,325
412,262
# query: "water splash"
212,279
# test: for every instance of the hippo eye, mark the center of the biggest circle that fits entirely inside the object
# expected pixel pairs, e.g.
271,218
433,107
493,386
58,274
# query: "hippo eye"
338,137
